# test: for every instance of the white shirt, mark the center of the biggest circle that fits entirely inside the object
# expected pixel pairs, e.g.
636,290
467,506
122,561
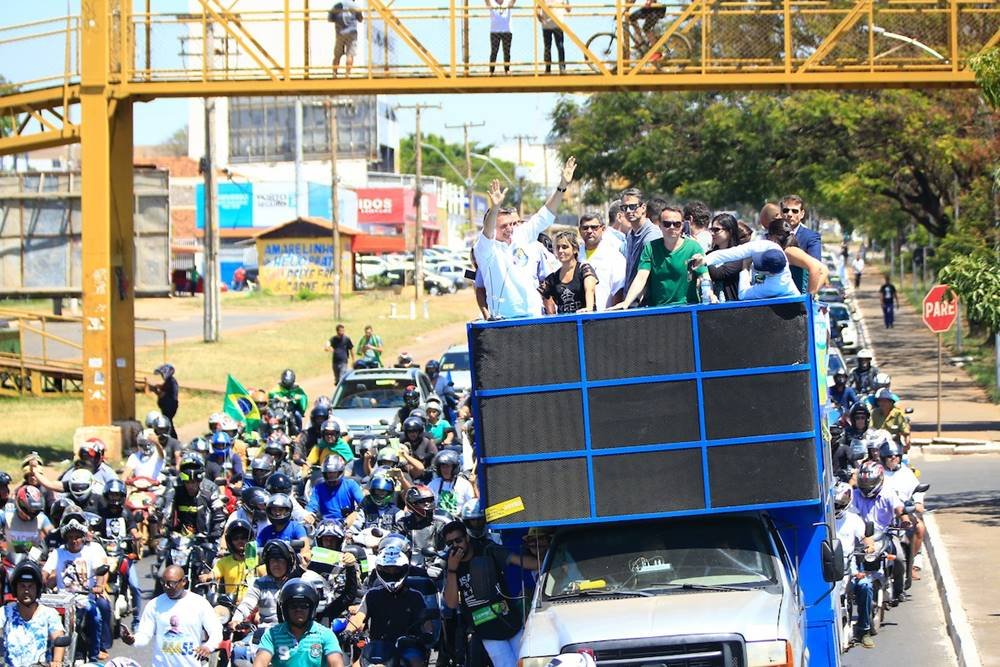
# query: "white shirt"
558,10
851,533
177,628
500,16
75,571
904,483
145,466
704,238
609,264
763,285
859,265
460,488
510,270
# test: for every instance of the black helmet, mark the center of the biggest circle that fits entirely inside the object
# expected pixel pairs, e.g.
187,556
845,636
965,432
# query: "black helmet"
59,509
4,479
419,413
330,528
261,468
297,590
288,378
860,409
162,425
840,376
411,397
237,525
279,510
433,367
319,414
27,570
278,549
74,520
275,448
115,487
192,468
254,500
420,500
413,425
447,457
332,426
279,482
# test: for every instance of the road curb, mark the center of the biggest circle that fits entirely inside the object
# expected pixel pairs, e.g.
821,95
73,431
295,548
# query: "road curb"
950,448
956,622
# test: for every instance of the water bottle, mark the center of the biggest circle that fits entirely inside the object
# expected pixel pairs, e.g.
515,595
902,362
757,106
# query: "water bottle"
705,285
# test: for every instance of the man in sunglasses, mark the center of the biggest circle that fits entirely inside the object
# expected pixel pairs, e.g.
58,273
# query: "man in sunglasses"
793,210
604,255
641,230
664,271
182,625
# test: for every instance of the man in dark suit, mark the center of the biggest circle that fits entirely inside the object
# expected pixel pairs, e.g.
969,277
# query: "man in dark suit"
793,210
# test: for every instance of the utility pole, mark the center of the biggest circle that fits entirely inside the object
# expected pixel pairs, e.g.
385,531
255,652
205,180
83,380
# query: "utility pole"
211,277
468,167
418,193
521,138
336,256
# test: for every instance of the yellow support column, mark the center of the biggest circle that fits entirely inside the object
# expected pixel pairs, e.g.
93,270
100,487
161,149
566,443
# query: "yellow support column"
108,246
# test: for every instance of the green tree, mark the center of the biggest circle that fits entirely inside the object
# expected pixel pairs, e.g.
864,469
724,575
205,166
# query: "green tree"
435,165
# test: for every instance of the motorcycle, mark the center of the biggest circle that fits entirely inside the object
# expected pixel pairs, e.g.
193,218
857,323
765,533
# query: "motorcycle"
120,559
906,536
194,553
283,417
145,501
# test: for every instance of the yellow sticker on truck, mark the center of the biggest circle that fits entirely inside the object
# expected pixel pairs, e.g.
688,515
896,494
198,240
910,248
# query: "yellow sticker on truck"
506,508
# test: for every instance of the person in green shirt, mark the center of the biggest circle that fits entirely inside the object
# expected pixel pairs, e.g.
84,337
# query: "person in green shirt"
370,347
299,641
663,269
438,427
291,392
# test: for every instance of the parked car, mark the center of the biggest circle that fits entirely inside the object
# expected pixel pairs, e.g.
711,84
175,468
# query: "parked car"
835,364
840,314
433,283
455,362
365,397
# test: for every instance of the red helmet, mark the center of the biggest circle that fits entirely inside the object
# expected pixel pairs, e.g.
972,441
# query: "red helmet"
93,448
29,501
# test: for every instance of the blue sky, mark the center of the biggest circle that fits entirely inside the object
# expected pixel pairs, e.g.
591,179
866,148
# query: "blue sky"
505,114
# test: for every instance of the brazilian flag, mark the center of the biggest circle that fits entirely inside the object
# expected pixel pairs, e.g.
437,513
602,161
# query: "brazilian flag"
238,404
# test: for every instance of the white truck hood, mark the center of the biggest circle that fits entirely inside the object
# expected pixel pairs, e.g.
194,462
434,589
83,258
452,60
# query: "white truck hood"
752,614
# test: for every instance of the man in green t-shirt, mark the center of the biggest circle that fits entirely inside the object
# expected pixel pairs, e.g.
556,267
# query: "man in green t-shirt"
370,347
299,641
663,266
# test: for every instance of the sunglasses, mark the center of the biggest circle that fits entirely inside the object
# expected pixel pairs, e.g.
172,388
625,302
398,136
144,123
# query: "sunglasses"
790,210
631,207
172,584
716,230
673,224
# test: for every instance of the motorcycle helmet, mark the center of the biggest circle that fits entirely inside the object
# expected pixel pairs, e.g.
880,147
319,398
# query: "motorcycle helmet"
287,378
387,457
114,493
233,529
279,482
278,549
59,509
275,448
860,410
419,413
840,377
885,394
397,541
474,518
887,449
254,500
319,414
381,490
261,469
870,478
151,417
192,468
413,425
80,485
200,446
279,511
882,381
4,479
864,357
230,426
330,534
411,397
420,500
331,427
29,502
27,570
91,453
842,494
333,469
297,591
147,441
162,426
448,457
323,400
94,522
214,420
221,442
73,521
391,568
432,368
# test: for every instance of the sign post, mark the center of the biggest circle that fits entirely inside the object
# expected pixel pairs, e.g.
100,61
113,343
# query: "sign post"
940,312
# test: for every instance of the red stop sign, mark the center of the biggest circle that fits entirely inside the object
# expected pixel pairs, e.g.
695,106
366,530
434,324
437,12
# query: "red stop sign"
939,313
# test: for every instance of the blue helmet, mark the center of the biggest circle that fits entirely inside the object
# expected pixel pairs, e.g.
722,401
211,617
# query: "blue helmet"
221,442
381,489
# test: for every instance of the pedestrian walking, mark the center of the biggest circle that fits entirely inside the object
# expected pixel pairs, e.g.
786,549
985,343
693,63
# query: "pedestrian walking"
345,17
859,268
343,352
890,301
182,625
370,347
551,32
500,34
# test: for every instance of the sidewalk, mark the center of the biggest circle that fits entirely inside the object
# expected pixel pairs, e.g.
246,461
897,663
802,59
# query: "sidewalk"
908,352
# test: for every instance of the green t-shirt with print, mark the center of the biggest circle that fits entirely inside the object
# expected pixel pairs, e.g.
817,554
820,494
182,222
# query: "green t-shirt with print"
310,650
669,281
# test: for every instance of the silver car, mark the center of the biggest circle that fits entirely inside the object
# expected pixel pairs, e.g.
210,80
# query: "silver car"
455,363
367,397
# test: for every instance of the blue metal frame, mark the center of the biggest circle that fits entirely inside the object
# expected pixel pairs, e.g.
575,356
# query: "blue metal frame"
698,376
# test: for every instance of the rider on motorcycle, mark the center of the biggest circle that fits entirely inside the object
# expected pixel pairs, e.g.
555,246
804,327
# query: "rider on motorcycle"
393,611
338,567
842,395
379,506
281,483
224,462
252,509
331,441
28,629
437,427
451,489
277,449
261,469
299,639
84,490
118,523
336,497
90,457
876,502
291,394
172,447
443,387
147,459
25,525
901,479
72,568
233,570
281,526
280,564
851,533
887,415
411,401
420,445
863,375
193,511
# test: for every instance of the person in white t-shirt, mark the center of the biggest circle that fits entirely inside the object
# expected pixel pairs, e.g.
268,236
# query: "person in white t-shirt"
27,628
147,459
603,253
505,249
451,490
182,625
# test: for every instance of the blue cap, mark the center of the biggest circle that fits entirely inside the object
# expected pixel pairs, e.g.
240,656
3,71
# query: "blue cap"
771,261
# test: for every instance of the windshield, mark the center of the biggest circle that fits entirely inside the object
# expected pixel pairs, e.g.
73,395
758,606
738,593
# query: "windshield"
836,364
372,392
455,361
658,558
839,313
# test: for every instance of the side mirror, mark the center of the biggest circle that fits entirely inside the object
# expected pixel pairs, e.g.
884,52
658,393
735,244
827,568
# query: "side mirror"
921,488
63,641
383,422
908,411
832,554
869,528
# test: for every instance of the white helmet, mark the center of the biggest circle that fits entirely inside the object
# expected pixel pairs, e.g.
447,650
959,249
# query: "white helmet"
882,380
151,418
865,353
80,485
391,568
842,495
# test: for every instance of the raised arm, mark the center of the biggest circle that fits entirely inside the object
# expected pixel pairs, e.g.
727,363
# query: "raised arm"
818,273
496,196
564,180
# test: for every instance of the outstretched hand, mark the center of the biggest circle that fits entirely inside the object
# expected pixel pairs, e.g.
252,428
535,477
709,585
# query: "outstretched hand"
496,193
569,168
